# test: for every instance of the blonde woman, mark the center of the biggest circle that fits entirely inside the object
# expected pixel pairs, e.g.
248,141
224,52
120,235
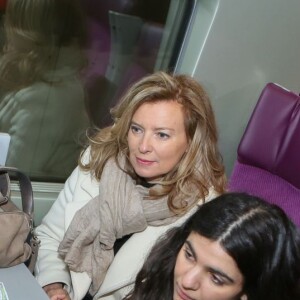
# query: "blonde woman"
137,178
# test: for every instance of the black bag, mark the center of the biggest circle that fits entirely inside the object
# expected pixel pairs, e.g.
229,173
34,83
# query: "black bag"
18,241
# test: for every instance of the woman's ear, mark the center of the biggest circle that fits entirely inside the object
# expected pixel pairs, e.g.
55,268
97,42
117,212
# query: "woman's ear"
244,297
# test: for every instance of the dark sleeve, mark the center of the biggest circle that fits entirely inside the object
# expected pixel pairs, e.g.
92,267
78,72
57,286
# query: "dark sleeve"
120,242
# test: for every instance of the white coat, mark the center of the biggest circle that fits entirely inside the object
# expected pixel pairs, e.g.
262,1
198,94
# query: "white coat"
78,190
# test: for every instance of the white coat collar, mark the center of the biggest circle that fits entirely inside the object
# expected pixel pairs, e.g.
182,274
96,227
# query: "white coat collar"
125,266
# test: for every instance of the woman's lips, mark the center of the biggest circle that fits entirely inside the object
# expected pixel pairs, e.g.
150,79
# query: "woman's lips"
144,161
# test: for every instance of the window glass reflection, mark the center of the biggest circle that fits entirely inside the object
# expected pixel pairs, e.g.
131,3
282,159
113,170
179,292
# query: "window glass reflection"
124,39
65,63
42,105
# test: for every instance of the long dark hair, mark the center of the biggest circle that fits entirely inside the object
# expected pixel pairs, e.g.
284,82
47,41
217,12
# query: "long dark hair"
259,236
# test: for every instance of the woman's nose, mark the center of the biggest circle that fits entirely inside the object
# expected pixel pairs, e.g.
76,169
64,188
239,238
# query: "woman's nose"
145,144
191,280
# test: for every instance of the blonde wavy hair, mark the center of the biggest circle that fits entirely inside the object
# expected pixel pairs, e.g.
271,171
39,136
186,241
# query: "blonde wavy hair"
36,30
200,167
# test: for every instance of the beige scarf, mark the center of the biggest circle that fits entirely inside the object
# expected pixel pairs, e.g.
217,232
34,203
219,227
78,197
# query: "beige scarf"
120,209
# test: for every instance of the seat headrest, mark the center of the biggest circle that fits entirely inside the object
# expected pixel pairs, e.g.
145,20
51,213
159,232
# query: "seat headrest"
271,140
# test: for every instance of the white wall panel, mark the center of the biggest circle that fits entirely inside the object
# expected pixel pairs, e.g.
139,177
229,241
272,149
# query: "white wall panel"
234,48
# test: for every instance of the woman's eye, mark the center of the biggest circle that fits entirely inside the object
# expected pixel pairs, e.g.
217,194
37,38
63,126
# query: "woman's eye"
217,280
135,129
163,135
188,254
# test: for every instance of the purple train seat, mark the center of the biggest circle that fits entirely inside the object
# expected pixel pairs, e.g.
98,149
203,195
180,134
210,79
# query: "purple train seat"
268,156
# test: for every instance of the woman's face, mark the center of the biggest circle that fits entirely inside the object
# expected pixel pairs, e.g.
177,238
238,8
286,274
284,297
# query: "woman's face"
204,271
157,138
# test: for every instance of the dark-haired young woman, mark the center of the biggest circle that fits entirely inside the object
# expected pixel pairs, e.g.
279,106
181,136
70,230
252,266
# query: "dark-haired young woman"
234,247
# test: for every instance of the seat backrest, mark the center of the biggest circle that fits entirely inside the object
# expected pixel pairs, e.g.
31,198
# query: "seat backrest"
97,52
268,156
144,57
129,63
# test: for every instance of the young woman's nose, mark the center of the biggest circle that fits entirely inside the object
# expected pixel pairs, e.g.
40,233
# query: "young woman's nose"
191,280
145,144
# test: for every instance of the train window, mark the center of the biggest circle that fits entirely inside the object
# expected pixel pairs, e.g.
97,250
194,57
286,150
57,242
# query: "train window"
64,64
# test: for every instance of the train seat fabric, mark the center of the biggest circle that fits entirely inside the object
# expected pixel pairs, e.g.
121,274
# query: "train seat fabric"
268,156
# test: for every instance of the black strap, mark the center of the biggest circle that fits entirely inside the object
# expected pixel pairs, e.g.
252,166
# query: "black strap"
25,187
